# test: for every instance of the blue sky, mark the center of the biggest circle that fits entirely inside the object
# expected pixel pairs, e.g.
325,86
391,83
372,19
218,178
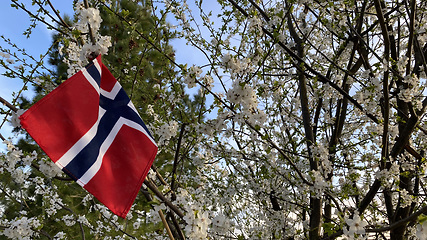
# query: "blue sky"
13,23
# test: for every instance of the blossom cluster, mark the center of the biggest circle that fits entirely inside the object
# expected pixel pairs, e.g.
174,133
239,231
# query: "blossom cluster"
7,57
388,176
243,94
77,54
236,66
21,228
167,131
190,78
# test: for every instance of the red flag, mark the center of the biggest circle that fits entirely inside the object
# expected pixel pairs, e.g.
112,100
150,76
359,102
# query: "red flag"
89,127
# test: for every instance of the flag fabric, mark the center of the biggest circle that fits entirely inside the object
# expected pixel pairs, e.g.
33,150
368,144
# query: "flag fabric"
91,130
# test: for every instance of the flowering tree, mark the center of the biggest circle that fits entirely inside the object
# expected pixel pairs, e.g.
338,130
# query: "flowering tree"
306,121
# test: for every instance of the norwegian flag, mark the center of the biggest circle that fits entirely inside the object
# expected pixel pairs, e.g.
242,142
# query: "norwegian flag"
91,130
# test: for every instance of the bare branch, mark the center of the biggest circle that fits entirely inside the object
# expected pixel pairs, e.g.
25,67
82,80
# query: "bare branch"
7,104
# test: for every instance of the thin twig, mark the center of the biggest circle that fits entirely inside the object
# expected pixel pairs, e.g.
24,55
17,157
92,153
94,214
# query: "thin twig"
158,175
143,37
92,38
39,19
46,12
72,212
58,15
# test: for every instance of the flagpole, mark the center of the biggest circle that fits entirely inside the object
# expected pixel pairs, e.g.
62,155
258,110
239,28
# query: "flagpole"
165,223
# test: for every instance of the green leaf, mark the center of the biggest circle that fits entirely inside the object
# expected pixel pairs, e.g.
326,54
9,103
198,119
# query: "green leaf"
422,218
329,228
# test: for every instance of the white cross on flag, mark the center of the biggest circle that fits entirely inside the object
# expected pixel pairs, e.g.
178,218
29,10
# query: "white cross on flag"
91,130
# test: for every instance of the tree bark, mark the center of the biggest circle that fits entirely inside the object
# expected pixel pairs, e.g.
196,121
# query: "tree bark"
315,201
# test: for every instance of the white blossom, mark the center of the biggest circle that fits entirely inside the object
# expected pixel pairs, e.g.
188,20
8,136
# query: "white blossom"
69,220
197,224
243,94
167,130
78,54
355,226
192,75
59,236
48,168
15,118
406,198
21,228
220,223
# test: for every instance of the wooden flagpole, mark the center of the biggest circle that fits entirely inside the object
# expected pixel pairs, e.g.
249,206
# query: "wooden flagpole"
165,223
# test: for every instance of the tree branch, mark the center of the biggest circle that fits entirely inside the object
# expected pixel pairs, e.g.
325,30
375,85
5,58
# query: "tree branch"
401,222
39,19
156,191
176,158
7,104
57,14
